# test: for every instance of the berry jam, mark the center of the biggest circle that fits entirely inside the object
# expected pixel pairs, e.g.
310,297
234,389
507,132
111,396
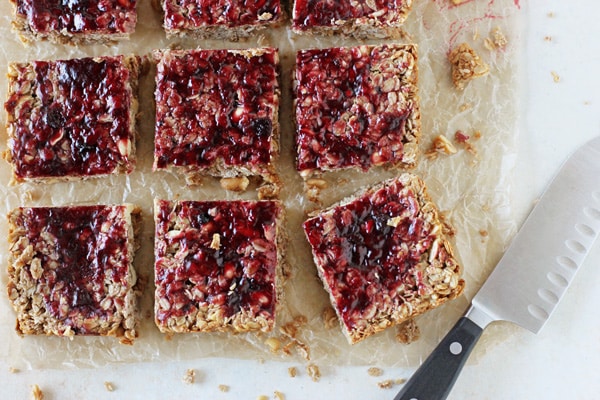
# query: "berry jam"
79,16
352,107
234,273
315,13
369,250
215,105
80,248
71,118
190,14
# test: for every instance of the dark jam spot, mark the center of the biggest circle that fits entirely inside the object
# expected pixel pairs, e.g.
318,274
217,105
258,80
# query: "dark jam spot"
79,16
227,109
69,138
362,251
235,276
84,255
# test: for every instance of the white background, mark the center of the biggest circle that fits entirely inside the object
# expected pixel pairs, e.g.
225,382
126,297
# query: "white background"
561,362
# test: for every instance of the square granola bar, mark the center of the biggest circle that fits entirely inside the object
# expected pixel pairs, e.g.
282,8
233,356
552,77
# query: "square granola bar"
356,107
361,19
383,256
72,119
217,265
226,19
217,113
74,21
71,270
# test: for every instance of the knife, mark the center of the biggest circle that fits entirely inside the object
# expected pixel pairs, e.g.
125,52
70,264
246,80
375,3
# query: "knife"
531,277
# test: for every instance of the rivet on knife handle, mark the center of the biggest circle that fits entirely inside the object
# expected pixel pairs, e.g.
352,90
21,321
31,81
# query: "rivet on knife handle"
436,376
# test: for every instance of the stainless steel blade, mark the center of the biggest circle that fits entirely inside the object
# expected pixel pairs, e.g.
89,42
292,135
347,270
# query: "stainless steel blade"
541,262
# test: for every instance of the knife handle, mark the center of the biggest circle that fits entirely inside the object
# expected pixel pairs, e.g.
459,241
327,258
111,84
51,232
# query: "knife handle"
436,376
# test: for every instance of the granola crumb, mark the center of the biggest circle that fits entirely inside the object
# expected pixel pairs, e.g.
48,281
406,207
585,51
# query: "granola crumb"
548,38
273,344
551,14
555,77
387,384
499,39
330,320
292,372
37,393
461,138
458,2
13,370
109,386
440,145
408,332
465,106
224,388
466,65
483,232
375,371
190,376
262,397
279,395
314,372
400,381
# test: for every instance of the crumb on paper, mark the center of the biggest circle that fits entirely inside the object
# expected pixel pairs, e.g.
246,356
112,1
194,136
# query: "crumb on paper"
483,232
390,383
375,371
13,370
551,14
440,145
314,372
465,106
462,139
224,388
37,393
279,395
273,344
292,372
190,376
548,38
329,317
289,333
291,328
458,2
498,39
555,76
408,332
466,65
262,397
109,386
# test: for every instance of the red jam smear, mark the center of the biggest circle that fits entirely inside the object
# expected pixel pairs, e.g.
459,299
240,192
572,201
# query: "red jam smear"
361,253
238,275
79,16
329,81
315,13
191,14
215,105
60,132
81,258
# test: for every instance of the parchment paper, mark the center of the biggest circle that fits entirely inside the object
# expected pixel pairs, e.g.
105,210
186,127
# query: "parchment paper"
473,189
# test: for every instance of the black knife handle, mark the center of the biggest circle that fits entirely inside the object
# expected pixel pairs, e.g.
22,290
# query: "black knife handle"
436,376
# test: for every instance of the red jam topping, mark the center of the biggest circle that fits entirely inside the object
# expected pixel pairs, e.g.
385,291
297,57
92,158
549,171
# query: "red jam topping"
79,248
215,105
71,119
368,249
79,16
216,253
191,14
350,109
315,13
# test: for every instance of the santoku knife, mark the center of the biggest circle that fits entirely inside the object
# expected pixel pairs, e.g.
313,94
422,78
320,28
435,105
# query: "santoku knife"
531,277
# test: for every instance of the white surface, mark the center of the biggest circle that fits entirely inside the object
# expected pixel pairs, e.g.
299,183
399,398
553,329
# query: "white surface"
560,362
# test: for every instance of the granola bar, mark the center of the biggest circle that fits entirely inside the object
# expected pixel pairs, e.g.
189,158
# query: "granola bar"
356,107
217,265
72,119
361,19
227,19
74,21
217,113
383,257
70,270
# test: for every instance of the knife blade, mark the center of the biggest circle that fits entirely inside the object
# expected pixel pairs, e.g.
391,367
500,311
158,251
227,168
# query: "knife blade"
532,276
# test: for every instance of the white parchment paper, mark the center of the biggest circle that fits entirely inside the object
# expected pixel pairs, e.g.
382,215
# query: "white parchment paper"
473,189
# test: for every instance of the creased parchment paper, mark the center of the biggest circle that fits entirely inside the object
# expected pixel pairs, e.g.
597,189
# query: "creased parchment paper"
473,189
